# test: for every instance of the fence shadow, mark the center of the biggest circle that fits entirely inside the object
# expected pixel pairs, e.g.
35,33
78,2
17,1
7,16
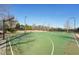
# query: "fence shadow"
29,41
15,37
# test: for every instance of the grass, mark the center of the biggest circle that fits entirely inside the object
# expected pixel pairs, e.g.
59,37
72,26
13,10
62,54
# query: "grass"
38,43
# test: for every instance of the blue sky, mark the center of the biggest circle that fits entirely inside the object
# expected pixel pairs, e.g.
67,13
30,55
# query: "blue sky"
54,15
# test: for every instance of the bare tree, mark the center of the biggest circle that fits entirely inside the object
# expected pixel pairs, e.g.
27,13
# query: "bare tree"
74,23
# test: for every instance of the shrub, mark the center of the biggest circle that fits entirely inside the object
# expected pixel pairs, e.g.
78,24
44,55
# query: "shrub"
12,30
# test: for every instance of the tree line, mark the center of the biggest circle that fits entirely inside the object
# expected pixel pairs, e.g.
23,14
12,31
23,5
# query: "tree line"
12,25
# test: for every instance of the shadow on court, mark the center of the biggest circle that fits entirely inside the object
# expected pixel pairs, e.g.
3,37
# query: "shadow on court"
65,37
18,37
19,43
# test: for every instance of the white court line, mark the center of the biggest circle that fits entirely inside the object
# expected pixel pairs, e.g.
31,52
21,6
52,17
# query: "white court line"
10,47
52,52
76,40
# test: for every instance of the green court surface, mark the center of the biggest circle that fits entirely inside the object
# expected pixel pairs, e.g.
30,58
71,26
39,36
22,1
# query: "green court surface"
43,43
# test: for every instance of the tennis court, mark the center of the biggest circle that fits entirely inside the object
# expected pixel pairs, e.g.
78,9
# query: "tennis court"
43,43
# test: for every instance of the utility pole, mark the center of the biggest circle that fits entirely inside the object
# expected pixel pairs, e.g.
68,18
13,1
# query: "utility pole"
67,25
74,23
3,29
25,23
